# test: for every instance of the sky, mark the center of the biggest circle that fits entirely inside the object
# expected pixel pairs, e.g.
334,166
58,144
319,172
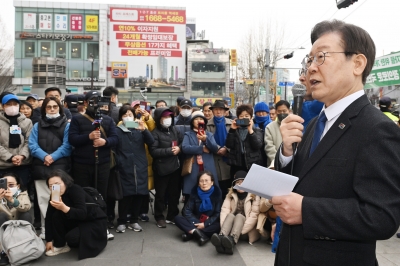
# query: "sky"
226,23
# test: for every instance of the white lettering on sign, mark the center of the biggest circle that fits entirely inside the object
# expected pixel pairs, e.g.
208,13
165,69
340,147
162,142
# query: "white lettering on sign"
124,15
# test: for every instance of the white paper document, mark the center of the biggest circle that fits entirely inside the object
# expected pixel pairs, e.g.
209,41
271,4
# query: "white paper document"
267,183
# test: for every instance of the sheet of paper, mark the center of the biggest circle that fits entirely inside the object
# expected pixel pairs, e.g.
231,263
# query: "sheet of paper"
267,183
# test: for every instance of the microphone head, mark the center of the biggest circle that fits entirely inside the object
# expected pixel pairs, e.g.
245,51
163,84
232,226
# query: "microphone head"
299,90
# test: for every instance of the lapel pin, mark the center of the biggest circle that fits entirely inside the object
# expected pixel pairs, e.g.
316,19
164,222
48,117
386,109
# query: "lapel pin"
341,125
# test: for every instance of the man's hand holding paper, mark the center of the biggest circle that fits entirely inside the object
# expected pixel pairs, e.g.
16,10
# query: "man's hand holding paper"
288,208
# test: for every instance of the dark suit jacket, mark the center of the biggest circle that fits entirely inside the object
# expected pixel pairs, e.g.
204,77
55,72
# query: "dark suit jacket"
351,190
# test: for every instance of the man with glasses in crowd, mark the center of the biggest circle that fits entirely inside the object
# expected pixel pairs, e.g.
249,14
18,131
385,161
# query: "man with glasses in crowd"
347,196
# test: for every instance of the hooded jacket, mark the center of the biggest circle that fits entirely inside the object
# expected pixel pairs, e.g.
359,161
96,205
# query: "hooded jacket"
164,160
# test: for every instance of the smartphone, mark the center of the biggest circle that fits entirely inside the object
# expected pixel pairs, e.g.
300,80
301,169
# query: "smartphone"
3,183
203,218
201,128
148,106
245,122
55,192
174,143
143,105
132,124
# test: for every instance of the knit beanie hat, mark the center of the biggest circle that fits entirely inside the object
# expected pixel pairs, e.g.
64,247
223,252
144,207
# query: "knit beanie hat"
261,107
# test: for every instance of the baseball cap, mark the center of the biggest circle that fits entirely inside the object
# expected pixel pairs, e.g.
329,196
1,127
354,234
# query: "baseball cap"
166,113
186,102
385,102
91,94
34,96
239,175
8,98
74,99
179,99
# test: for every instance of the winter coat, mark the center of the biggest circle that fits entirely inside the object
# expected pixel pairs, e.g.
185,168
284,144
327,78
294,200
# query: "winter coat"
132,161
182,121
164,161
191,147
5,152
251,211
272,139
92,221
114,112
50,139
222,167
191,210
263,216
251,148
79,131
13,212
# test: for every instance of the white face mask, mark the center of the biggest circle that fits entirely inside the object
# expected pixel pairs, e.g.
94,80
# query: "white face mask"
186,112
128,118
13,190
52,116
12,110
167,122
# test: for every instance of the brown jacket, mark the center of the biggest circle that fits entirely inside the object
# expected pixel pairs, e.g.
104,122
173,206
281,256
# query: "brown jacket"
251,210
263,216
24,206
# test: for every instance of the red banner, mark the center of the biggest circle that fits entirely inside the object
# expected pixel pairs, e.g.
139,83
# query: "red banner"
152,45
136,28
148,15
165,53
146,37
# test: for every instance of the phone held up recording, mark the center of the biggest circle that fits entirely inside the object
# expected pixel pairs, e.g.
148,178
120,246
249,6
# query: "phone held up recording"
201,128
55,192
3,183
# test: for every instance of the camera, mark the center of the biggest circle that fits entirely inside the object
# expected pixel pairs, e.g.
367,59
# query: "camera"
245,122
99,101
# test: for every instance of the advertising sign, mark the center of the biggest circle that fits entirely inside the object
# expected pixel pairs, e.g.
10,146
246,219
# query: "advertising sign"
153,41
202,100
119,69
233,57
45,21
190,28
29,21
61,22
92,23
76,22
385,72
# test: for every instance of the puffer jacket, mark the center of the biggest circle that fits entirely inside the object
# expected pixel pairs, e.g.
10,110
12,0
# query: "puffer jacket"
251,210
24,206
5,152
265,206
164,160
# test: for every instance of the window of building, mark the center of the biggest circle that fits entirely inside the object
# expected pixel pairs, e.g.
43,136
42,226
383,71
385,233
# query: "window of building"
93,48
208,88
119,83
76,50
45,49
61,49
208,67
29,49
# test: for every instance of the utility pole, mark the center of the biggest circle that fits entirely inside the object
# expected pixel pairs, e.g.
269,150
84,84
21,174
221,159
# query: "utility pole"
267,75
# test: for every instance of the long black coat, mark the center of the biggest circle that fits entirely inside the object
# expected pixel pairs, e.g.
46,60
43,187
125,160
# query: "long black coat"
351,189
92,221
132,160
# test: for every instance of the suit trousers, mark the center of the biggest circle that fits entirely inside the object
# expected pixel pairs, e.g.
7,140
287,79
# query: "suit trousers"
65,231
186,226
233,225
168,184
43,196
83,175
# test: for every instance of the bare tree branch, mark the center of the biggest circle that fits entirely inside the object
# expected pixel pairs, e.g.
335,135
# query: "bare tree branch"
6,59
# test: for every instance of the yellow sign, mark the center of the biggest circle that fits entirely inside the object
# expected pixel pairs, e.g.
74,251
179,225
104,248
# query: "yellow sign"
92,23
119,69
232,96
233,57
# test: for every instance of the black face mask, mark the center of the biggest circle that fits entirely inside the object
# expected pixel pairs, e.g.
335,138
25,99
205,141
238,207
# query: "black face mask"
282,116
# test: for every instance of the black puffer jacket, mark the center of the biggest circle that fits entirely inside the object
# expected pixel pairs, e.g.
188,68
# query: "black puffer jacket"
164,161
246,153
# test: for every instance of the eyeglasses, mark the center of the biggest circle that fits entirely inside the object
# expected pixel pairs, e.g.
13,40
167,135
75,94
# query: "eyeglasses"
319,58
204,181
302,72
49,107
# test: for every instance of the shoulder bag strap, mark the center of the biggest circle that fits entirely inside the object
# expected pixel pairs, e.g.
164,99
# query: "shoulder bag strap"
92,120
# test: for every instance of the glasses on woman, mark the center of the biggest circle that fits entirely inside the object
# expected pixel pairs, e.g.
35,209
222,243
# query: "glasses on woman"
49,107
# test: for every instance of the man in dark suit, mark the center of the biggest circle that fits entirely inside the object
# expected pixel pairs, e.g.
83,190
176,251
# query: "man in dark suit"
347,196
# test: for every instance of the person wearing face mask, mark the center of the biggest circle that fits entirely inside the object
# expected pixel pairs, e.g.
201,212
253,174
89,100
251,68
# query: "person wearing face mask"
166,167
385,105
185,113
132,167
14,204
50,150
244,142
14,130
273,137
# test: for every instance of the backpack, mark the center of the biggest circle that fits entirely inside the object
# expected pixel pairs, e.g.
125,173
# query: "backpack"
20,242
97,198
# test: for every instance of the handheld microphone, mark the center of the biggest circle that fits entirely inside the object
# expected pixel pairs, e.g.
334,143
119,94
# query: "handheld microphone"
298,91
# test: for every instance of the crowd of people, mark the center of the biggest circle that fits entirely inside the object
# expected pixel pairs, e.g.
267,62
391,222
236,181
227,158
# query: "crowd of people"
199,154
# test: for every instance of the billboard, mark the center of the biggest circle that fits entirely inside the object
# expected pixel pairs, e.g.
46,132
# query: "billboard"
153,42
45,21
29,21
119,69
61,22
190,28
385,72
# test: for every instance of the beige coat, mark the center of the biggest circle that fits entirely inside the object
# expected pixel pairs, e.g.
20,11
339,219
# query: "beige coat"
272,140
223,169
251,210
263,216
24,206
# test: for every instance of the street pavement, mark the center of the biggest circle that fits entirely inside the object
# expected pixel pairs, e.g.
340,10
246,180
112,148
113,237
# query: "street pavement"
164,247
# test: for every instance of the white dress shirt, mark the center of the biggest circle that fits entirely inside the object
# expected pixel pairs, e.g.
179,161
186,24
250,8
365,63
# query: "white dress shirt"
332,114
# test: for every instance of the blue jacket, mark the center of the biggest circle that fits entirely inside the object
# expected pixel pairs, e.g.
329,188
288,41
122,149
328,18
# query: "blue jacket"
191,210
190,147
310,110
